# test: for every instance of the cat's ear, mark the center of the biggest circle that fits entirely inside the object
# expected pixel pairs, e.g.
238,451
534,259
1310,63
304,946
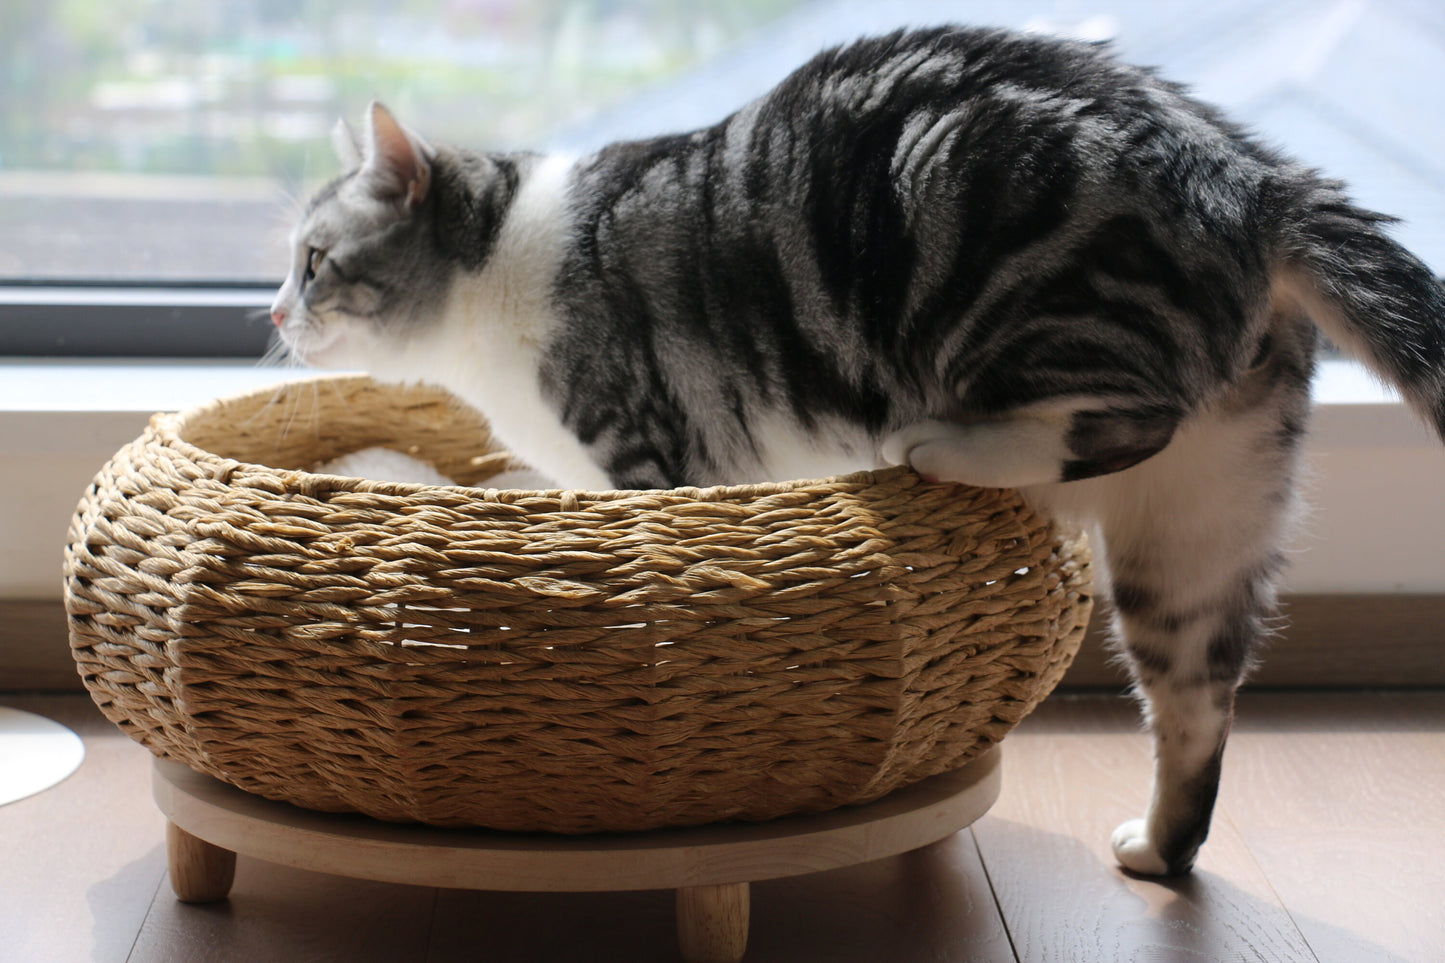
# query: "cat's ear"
396,162
346,145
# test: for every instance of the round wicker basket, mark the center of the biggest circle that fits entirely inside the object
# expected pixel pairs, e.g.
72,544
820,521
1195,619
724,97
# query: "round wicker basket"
548,661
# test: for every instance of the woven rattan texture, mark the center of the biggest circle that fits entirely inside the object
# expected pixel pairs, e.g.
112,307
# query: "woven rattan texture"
556,661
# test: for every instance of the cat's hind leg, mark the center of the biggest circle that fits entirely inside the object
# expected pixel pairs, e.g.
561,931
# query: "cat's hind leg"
1191,595
1192,543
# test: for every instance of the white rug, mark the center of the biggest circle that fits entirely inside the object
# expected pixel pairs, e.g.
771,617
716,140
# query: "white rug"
35,754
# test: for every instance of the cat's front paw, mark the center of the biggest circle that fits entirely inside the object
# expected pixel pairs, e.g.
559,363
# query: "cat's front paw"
1135,852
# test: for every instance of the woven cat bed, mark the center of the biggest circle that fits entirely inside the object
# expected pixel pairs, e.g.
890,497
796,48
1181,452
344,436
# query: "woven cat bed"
548,661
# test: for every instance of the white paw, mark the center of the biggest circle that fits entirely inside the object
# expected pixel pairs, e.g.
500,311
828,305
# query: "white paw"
896,446
1134,851
928,447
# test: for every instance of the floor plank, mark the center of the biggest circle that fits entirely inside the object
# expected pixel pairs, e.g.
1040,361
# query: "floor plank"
935,903
82,861
278,913
1345,811
1367,897
561,927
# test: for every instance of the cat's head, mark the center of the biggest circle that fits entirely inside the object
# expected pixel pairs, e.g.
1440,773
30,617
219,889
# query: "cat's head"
365,277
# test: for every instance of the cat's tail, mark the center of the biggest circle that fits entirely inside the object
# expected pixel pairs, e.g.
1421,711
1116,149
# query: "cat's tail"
1375,299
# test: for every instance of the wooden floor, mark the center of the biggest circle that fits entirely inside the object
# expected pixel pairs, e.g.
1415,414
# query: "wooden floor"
1329,845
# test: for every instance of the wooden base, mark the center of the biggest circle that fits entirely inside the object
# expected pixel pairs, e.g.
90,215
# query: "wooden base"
709,866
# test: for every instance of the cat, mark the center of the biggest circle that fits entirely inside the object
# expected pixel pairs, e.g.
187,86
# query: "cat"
1003,259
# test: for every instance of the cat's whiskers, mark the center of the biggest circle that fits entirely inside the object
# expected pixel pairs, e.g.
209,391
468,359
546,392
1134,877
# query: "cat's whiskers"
283,428
331,385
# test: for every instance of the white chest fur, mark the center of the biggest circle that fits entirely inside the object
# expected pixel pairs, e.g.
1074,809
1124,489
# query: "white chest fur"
496,323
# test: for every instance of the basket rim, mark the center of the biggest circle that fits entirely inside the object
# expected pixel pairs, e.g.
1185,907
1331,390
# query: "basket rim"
168,428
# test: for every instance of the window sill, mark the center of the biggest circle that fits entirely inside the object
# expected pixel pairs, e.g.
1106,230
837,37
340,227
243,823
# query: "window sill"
1351,406
1374,513
35,385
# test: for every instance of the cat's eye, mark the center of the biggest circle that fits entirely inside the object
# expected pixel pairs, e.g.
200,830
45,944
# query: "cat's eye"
313,262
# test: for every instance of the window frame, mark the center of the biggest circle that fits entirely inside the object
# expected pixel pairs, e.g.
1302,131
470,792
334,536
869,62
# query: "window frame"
133,320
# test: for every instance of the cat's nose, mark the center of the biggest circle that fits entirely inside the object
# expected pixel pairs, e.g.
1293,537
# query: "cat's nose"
278,317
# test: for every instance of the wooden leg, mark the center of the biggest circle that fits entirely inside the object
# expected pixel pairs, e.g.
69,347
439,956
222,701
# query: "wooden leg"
712,922
200,872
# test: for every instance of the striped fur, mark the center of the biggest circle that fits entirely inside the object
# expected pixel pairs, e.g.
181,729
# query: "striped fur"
1003,259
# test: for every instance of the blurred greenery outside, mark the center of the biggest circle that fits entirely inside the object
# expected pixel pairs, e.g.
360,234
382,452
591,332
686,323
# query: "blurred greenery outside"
251,88
159,141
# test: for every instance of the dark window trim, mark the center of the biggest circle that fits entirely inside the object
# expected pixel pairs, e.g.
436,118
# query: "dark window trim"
95,320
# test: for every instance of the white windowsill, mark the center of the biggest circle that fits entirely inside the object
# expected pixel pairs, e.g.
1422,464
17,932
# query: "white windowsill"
28,384
1375,516
34,386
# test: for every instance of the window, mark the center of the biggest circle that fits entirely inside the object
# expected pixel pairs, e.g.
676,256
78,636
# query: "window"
165,142
153,152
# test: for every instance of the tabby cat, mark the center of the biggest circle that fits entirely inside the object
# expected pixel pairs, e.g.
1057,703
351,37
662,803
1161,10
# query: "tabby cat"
1002,259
